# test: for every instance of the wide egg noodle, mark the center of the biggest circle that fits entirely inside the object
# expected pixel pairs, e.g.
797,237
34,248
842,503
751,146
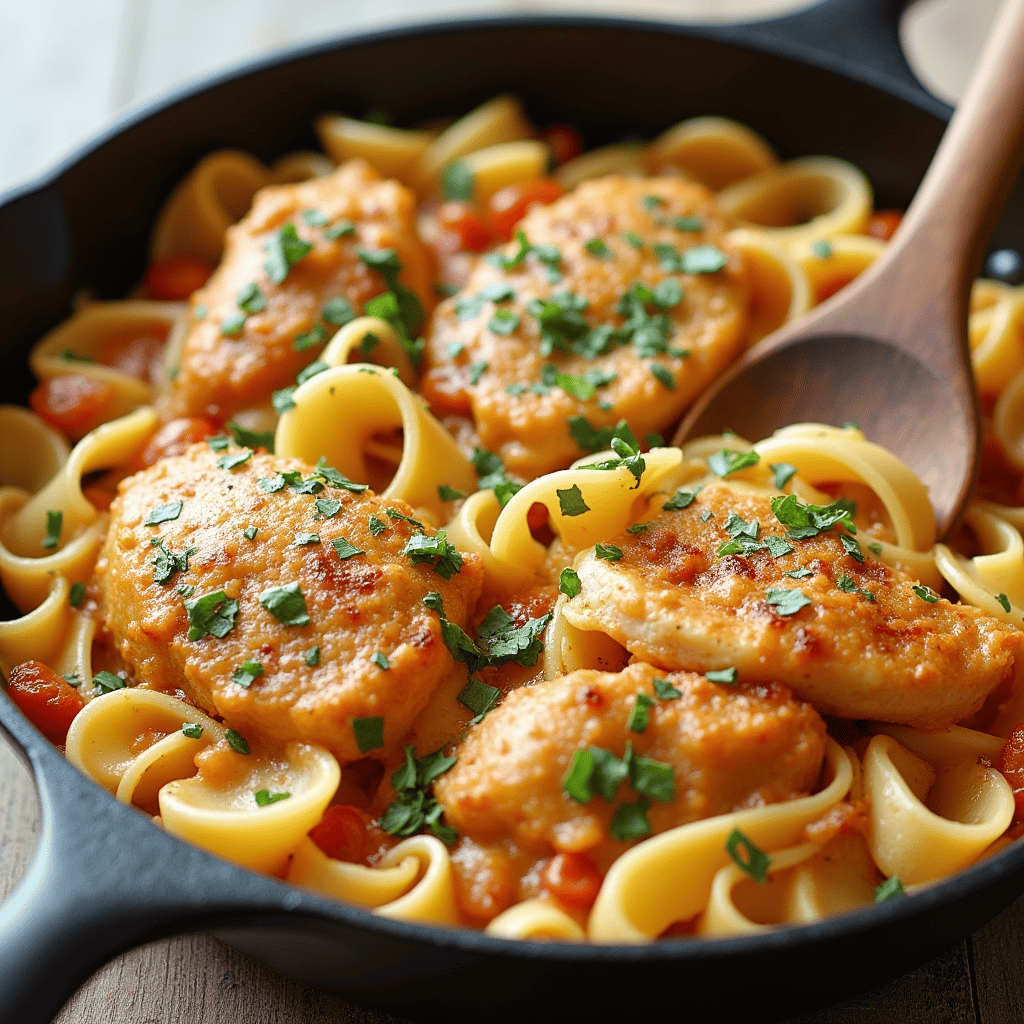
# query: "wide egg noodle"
927,822
338,412
668,878
26,569
227,821
996,335
536,918
32,451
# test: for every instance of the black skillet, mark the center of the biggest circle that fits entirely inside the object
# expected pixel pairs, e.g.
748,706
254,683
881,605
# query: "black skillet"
829,79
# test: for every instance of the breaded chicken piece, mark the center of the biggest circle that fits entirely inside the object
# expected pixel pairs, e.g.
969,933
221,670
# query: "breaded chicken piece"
728,747
220,373
604,238
865,645
317,677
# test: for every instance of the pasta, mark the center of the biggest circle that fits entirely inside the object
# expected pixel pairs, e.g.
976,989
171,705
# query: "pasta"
416,608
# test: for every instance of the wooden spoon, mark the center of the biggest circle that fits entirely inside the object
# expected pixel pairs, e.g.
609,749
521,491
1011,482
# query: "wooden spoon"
889,352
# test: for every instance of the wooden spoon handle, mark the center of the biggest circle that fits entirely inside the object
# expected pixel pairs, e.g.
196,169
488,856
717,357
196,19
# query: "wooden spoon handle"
917,293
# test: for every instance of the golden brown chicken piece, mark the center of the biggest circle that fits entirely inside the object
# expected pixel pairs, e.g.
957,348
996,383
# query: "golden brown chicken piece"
318,617
852,637
643,258
723,747
270,306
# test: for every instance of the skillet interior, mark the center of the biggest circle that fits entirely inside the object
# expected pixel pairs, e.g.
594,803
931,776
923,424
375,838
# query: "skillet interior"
88,228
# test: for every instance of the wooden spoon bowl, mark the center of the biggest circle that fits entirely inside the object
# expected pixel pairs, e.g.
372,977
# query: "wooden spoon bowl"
890,351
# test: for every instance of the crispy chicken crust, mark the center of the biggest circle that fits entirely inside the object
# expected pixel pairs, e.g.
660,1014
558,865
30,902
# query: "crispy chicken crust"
360,606
673,601
729,747
529,430
220,374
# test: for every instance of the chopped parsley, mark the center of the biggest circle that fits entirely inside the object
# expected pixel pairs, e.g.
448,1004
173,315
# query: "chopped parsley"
211,615
728,461
340,230
108,682
805,521
476,371
162,514
315,367
237,742
926,594
633,239
664,690
251,299
822,249
369,733
457,181
312,657
304,539
415,808
232,324
315,218
376,526
639,717
787,602
166,563
569,583
890,889
594,439
381,661
664,375
233,459
393,513
403,310
326,508
851,547
597,248
193,730
609,552
252,438
459,645
651,202
703,259
284,250
479,698
687,224
337,311
445,559
247,673
491,472
875,549
501,640
77,594
849,586
446,493
726,676
570,501
264,797
504,322
250,532
747,856
286,604
316,335
1004,601
627,457
799,574
680,500
630,821
783,473
344,549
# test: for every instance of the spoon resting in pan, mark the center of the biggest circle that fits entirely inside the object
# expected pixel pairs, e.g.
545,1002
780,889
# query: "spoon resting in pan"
889,352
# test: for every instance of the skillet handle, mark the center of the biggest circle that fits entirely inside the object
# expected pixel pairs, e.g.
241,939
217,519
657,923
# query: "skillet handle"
105,879
859,39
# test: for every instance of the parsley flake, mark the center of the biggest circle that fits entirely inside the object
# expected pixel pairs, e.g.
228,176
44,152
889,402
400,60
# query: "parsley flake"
376,526
237,742
212,614
783,473
108,682
252,438
501,640
926,594
680,500
193,730
414,808
504,322
264,798
167,562
286,604
457,182
639,717
664,375
247,673
380,661
445,559
570,501
569,583
728,461
77,594
747,856
304,539
446,493
234,459
162,514
703,259
284,250
326,508
233,324
787,602
822,249
250,299
479,698
459,645
890,889
609,552
597,248
725,676
312,657
664,690
1003,600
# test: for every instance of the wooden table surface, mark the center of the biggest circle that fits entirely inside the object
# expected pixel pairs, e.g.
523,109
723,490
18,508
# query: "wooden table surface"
72,67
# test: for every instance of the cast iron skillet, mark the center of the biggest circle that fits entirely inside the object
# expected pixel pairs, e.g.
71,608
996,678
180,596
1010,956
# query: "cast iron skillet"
830,79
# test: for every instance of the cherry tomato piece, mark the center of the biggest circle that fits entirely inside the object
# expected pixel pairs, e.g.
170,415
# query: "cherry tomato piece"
177,277
341,833
464,221
572,879
46,699
71,403
508,205
883,224
564,142
174,438
136,350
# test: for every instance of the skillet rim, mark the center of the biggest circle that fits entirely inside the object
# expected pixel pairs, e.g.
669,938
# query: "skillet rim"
937,897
